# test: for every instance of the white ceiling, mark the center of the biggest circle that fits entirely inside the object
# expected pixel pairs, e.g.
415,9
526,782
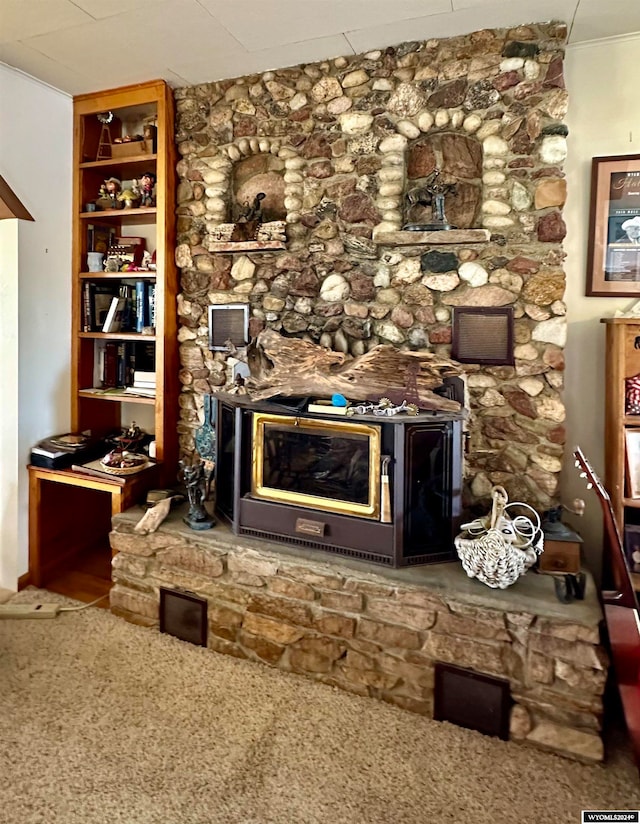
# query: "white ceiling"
87,45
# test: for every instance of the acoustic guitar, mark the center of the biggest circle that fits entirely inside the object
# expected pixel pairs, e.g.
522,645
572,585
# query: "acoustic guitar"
620,606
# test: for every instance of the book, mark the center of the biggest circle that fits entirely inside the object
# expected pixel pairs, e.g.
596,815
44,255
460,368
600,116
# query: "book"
144,356
141,391
142,305
86,306
326,408
100,297
110,375
128,322
141,377
151,297
113,320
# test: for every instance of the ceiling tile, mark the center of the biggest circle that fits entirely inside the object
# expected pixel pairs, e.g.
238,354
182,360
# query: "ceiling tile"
88,48
85,45
206,68
595,20
462,21
42,68
100,8
20,19
262,25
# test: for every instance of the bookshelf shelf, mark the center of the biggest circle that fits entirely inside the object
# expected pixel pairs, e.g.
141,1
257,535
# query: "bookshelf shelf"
117,336
140,274
132,166
143,214
118,397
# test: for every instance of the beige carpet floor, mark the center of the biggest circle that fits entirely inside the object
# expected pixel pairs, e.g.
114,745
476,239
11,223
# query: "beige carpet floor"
102,721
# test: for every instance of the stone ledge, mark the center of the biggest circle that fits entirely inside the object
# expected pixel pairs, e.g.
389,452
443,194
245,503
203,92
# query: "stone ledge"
441,238
375,631
532,593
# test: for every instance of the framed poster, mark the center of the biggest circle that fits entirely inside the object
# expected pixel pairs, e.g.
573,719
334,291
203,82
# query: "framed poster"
613,261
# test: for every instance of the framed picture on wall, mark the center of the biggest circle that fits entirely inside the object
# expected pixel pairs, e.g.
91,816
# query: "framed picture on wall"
613,261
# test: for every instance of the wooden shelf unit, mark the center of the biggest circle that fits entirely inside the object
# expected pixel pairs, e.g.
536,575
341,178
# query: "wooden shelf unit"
70,512
622,362
131,103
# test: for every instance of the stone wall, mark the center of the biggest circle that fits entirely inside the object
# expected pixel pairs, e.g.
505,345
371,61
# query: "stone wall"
378,635
336,146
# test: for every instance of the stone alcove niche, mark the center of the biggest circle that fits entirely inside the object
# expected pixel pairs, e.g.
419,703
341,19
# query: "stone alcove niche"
240,171
458,159
469,151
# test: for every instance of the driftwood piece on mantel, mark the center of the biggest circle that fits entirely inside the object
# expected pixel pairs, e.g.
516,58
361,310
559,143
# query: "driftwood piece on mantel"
295,367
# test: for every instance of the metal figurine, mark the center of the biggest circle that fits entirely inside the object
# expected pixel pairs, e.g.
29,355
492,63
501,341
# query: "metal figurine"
430,194
194,479
247,225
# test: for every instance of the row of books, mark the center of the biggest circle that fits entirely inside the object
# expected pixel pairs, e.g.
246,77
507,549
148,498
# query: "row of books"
126,307
123,364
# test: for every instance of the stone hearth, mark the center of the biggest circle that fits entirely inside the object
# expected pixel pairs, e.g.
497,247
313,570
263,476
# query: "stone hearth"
378,635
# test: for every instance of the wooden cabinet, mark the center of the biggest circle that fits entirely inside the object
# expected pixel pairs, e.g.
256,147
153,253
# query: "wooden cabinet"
69,512
622,422
129,110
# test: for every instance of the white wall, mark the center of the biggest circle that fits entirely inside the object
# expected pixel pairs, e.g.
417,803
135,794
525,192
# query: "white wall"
602,120
35,160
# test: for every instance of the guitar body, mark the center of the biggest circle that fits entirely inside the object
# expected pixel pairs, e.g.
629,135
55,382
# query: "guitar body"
621,613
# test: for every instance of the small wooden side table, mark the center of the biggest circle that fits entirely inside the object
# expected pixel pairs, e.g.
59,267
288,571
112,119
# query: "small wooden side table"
70,511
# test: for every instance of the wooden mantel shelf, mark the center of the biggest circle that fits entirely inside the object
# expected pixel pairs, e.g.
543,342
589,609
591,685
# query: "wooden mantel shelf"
444,237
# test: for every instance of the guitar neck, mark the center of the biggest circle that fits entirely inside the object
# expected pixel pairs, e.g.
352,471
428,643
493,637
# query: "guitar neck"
624,593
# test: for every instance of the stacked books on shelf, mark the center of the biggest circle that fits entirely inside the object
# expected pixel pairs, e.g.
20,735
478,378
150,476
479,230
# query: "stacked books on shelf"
117,362
113,307
144,384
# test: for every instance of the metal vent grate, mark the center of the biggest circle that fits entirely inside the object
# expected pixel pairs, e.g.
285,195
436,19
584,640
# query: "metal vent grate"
483,334
337,550
432,558
228,324
184,616
472,699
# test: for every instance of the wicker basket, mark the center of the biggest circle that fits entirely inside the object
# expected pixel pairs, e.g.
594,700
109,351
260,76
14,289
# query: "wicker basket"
126,470
497,549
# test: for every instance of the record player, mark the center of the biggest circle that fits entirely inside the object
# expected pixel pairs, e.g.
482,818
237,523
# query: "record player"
60,451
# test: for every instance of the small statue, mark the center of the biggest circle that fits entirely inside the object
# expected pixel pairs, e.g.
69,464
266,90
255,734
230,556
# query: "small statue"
430,194
247,225
108,195
130,197
146,183
253,212
193,477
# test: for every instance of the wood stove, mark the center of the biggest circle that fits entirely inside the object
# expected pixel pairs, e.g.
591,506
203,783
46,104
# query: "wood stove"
320,480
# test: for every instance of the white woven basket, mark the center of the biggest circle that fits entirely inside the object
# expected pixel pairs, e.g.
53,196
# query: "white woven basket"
498,549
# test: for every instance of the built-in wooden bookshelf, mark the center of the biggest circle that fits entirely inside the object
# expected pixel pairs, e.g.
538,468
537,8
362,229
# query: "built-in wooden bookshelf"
130,110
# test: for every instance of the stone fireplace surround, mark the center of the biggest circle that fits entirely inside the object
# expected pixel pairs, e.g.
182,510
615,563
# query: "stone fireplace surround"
349,137
338,144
